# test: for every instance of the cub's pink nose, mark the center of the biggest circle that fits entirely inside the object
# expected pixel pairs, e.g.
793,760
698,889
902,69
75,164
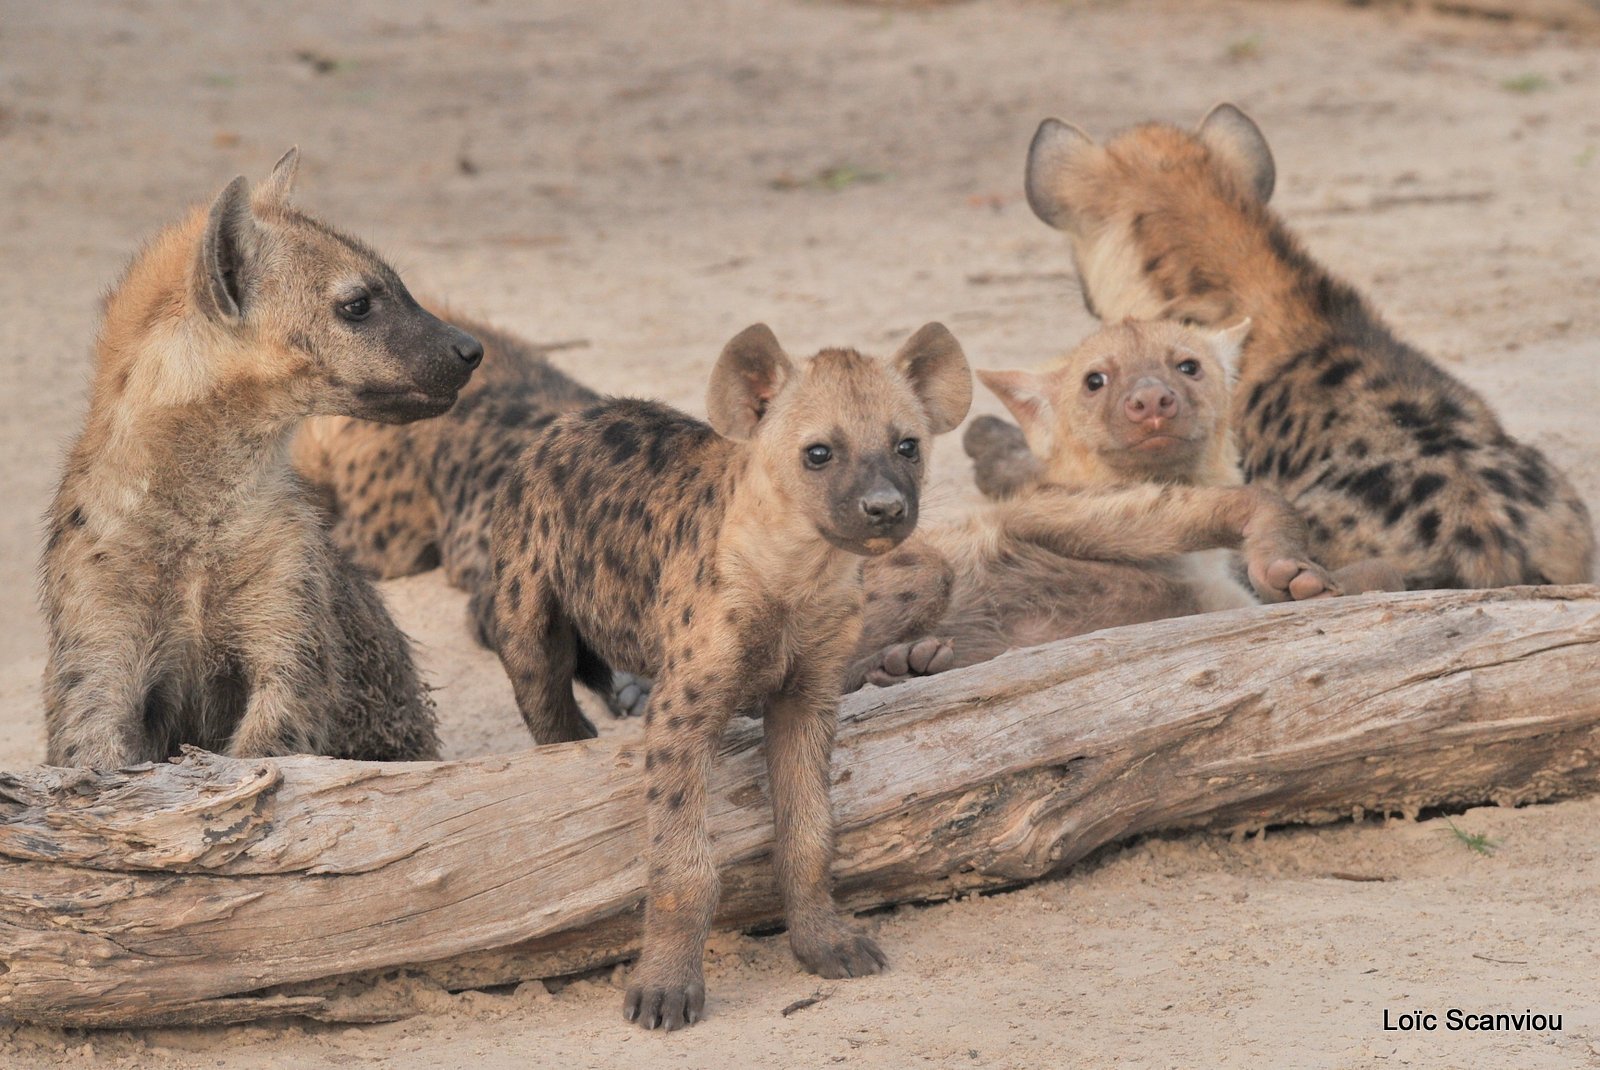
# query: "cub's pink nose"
1150,402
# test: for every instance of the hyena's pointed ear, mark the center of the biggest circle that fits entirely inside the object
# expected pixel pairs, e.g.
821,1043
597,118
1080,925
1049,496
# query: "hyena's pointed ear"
1228,343
1234,137
279,186
1029,396
752,369
933,362
1056,147
229,250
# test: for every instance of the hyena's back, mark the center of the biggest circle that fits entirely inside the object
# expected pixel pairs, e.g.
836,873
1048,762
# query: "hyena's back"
1386,455
409,498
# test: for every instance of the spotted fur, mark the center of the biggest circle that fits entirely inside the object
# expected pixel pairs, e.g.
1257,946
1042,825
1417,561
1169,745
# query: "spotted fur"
725,562
409,498
191,592
1390,458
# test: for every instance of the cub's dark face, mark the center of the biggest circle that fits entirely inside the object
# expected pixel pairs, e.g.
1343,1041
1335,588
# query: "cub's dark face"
846,444
347,335
841,437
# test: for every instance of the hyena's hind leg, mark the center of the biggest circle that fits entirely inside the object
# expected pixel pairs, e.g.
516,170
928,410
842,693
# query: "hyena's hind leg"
540,655
626,695
1002,464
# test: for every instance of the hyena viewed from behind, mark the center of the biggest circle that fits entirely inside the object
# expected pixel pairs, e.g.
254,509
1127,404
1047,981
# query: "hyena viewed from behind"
1395,465
191,592
407,498
725,562
1130,513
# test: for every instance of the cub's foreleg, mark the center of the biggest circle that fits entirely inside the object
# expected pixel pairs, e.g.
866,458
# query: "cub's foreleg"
800,724
1149,522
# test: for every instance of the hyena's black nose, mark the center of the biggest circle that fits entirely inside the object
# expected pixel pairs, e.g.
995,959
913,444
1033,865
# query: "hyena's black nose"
883,506
469,349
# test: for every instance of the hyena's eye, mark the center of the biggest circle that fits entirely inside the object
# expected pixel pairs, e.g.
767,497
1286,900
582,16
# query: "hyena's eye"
1094,381
358,308
907,448
818,455
1189,367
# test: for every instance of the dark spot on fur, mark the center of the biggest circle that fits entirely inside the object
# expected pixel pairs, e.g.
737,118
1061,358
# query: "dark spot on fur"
676,802
1338,373
1468,539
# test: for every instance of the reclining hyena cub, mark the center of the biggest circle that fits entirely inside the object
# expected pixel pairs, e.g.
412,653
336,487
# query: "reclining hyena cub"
1396,466
406,498
190,589
724,561
1132,501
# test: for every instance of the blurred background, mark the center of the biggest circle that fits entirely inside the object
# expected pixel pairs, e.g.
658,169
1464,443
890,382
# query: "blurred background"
642,180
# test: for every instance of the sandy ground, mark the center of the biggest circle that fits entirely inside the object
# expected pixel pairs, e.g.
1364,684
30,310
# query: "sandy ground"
652,177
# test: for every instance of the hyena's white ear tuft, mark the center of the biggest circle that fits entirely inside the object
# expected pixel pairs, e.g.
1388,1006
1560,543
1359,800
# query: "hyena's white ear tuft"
279,186
1234,137
752,369
1228,343
1056,148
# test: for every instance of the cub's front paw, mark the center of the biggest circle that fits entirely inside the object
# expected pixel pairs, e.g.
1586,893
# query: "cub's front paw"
903,661
1289,578
839,951
665,1006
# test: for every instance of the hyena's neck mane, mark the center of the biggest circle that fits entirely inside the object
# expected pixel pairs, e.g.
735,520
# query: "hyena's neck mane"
1221,260
174,415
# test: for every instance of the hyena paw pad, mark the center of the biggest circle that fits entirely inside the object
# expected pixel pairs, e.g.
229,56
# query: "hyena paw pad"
666,1007
629,696
1290,578
844,953
903,661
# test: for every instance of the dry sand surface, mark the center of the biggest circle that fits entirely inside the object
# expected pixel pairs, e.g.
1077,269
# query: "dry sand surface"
652,177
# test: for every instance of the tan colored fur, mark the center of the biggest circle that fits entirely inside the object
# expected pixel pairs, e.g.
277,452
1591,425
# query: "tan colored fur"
190,591
727,566
1401,471
1123,519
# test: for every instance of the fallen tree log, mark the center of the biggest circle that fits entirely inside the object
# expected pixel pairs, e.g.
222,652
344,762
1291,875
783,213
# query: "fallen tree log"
213,889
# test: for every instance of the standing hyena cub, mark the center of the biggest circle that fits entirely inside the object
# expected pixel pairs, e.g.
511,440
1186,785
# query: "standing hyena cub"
1130,514
725,561
1397,467
191,592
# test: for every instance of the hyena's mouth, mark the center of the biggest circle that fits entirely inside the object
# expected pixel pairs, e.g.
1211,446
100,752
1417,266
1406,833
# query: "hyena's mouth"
403,406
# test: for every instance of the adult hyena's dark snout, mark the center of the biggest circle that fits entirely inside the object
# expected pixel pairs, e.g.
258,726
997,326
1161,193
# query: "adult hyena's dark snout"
433,360
445,356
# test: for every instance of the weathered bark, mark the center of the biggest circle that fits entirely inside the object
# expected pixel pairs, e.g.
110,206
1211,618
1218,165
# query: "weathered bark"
213,889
